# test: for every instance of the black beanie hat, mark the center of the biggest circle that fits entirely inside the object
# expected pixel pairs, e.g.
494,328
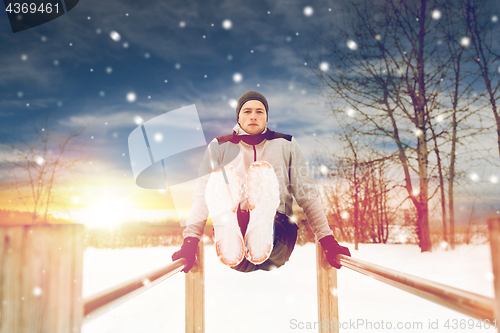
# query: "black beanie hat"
248,96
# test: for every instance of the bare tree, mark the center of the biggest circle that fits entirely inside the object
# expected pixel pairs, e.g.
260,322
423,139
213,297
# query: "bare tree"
38,166
356,191
387,80
484,51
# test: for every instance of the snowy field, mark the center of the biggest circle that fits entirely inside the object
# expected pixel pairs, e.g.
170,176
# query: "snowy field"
285,299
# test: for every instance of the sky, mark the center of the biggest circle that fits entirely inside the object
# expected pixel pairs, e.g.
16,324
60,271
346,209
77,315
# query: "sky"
104,64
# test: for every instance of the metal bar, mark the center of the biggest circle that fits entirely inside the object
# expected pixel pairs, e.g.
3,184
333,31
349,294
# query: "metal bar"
468,303
103,301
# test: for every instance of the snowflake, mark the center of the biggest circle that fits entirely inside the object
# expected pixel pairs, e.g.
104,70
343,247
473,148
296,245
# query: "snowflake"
465,41
115,36
237,77
344,215
233,103
182,24
158,137
37,291
131,97
351,112
109,70
177,66
227,24
474,177
24,57
436,14
138,120
324,66
439,118
494,179
352,45
308,11
39,160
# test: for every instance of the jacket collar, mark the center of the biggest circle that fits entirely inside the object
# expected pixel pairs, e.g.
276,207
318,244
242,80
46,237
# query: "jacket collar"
252,139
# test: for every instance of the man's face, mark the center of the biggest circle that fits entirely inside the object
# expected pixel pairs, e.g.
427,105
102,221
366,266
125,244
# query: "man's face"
253,117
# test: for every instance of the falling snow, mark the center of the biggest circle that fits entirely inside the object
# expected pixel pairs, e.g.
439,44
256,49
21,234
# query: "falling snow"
324,66
465,41
131,97
109,70
227,24
233,103
308,11
182,24
158,137
138,120
24,57
493,179
439,118
474,177
39,160
436,14
350,112
237,77
352,45
115,36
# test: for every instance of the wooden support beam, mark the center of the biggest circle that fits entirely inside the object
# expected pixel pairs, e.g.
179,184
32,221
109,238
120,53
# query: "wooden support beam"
494,229
195,294
328,304
41,278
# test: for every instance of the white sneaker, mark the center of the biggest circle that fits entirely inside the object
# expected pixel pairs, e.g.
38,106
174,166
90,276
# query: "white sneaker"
222,201
263,197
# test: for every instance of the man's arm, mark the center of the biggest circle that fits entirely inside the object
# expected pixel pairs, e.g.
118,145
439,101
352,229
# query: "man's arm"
306,193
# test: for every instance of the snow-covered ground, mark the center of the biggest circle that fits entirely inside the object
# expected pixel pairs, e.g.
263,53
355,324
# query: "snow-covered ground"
285,299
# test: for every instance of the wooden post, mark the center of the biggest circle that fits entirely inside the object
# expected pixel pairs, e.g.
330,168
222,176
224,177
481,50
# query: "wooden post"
195,294
328,303
41,278
494,229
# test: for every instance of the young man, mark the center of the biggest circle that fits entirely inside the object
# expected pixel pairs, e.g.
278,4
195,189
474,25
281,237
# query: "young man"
247,190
